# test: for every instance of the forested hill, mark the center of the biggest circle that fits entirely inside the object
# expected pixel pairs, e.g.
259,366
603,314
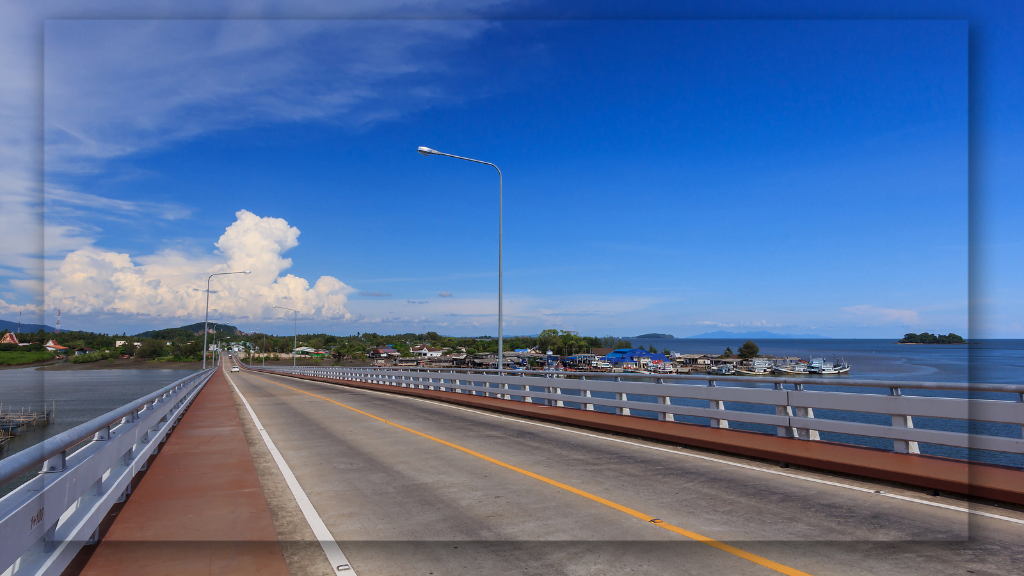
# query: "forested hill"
190,330
25,328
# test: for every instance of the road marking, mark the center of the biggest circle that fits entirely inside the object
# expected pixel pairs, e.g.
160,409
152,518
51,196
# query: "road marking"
689,455
781,568
339,563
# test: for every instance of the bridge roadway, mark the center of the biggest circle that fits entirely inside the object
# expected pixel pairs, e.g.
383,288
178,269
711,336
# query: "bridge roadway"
410,486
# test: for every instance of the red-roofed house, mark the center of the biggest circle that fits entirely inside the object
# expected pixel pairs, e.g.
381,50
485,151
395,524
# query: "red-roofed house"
52,346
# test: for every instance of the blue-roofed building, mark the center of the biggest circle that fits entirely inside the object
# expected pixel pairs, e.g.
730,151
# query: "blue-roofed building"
637,358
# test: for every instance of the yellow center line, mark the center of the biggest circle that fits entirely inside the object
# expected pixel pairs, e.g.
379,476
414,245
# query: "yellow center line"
781,568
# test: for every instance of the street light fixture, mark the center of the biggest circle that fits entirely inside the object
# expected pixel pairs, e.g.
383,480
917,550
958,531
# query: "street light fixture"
206,324
295,338
431,152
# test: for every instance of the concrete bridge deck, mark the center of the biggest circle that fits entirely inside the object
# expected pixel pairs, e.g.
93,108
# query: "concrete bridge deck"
412,486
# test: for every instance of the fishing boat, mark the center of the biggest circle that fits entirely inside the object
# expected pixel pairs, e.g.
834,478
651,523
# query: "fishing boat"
791,368
842,366
819,366
759,367
721,369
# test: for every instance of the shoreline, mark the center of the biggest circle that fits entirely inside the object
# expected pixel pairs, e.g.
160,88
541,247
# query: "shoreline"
123,364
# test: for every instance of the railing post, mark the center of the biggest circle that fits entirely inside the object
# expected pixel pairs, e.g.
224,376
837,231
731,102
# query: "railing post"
801,412
585,394
787,411
1020,398
621,396
899,421
665,401
717,405
56,463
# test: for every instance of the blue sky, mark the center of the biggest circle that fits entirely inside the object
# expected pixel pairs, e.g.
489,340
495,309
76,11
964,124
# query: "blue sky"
676,176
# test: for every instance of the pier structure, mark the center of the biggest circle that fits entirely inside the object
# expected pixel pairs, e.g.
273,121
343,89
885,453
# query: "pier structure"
14,420
401,471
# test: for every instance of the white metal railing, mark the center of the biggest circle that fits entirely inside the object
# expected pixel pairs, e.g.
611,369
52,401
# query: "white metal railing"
44,522
793,407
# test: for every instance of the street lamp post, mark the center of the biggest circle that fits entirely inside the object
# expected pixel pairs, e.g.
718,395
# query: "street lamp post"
430,152
206,324
215,324
295,338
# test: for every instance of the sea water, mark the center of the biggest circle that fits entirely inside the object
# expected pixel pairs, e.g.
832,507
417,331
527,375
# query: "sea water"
984,361
75,396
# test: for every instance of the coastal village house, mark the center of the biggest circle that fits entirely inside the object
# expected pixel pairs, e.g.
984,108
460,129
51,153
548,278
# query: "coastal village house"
313,352
9,338
425,351
52,346
634,358
384,352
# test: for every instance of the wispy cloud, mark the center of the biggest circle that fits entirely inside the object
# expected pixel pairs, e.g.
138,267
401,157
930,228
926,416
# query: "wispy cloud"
417,301
375,294
115,88
873,314
753,324
62,202
444,295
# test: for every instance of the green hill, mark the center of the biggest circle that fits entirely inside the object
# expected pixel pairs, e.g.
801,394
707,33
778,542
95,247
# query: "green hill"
190,330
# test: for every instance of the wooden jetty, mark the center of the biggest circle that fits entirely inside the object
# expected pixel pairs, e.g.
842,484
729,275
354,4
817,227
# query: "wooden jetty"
13,422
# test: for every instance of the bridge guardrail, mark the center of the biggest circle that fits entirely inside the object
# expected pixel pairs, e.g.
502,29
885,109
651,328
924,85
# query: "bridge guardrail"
793,408
44,522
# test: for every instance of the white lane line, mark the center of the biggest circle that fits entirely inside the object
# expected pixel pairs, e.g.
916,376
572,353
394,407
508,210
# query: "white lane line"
697,456
339,563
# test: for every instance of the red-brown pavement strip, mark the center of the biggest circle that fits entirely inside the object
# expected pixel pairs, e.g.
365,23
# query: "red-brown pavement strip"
200,508
982,480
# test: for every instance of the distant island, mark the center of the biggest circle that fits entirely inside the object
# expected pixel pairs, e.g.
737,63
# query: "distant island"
758,334
656,335
926,338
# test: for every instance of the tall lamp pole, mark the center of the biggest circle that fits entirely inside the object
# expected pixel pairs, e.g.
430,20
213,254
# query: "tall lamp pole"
430,152
206,324
295,339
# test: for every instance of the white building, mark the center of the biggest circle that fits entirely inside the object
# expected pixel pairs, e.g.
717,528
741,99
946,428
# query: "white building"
425,351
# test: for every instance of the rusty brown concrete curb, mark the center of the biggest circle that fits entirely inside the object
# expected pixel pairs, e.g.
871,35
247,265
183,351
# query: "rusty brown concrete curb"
934,472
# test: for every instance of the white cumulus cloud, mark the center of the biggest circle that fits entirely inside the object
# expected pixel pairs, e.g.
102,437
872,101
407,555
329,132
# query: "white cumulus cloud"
172,284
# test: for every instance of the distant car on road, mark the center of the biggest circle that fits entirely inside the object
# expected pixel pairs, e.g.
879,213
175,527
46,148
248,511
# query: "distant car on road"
234,369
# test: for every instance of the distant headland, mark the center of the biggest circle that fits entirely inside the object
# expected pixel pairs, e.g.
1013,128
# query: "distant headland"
926,338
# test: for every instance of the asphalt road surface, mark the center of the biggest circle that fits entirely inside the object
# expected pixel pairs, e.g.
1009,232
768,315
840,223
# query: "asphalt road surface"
408,486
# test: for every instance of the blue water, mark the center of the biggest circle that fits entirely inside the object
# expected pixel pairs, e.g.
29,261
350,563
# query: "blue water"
991,361
988,361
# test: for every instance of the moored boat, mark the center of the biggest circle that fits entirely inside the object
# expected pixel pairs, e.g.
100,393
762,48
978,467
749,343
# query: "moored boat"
792,369
759,367
820,366
721,370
